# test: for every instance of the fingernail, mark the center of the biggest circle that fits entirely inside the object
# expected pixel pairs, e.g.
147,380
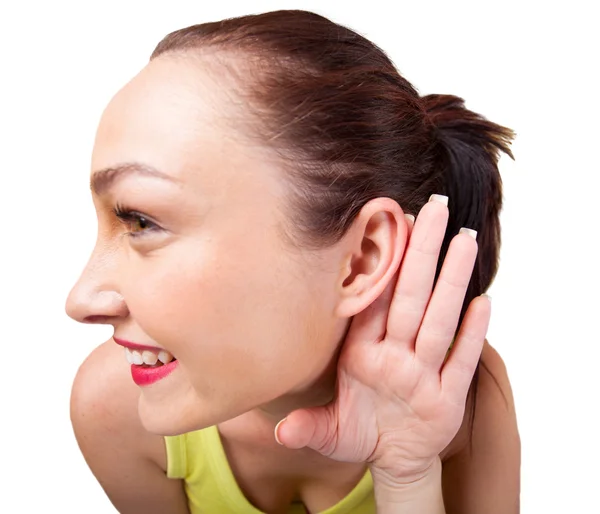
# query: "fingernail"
469,232
439,198
410,218
276,429
488,297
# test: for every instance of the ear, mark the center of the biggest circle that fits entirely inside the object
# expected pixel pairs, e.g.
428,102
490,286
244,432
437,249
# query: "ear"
375,246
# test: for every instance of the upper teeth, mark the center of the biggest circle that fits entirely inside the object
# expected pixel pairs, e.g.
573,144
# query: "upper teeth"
147,357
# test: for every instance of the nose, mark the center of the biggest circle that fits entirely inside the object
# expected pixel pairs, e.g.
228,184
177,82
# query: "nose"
95,298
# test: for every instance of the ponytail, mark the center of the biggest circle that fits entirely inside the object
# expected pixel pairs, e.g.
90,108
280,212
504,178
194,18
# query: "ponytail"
466,150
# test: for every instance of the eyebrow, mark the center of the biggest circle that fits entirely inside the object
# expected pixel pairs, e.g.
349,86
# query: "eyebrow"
102,180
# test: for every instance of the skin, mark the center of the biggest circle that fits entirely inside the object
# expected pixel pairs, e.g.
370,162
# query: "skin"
181,284
215,248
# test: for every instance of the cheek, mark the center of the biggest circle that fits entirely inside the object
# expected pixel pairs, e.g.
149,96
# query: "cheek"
245,314
176,295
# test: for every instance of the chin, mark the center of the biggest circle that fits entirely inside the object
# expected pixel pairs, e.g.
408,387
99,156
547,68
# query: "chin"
178,418
171,420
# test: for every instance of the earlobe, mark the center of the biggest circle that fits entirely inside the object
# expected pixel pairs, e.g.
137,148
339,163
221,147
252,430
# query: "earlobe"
376,243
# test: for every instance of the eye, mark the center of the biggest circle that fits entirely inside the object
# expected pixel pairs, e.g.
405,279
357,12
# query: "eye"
136,223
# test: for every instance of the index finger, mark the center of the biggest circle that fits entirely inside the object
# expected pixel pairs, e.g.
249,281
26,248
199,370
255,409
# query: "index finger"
417,272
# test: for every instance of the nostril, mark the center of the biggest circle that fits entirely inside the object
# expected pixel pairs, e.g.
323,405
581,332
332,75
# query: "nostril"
102,320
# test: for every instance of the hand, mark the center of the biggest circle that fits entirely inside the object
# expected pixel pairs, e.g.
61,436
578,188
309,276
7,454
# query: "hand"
398,404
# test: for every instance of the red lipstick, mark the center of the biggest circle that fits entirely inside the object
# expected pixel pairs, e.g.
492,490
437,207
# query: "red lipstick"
144,374
135,346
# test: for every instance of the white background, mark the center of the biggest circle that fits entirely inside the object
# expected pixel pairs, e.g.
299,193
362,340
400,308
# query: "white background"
527,65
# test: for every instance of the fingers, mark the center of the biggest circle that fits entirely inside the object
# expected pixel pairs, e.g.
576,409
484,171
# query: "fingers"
441,318
459,369
410,223
417,272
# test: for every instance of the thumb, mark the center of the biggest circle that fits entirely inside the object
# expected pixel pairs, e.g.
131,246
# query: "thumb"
315,428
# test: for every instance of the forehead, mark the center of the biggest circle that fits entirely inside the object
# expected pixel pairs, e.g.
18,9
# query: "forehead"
166,116
181,118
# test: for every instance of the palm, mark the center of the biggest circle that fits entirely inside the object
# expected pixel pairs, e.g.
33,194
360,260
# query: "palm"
397,403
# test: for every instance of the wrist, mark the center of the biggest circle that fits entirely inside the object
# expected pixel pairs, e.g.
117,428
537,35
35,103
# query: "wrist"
418,492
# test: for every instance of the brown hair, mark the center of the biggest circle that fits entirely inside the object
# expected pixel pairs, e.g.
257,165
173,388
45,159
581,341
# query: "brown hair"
350,128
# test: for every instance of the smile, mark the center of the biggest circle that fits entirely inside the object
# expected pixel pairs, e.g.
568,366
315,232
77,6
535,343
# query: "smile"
148,364
148,367
148,357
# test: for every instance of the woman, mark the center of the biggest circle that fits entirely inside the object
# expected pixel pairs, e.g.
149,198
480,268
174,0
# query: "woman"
255,186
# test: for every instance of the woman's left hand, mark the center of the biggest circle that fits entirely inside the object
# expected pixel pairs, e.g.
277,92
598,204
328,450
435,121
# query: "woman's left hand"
398,402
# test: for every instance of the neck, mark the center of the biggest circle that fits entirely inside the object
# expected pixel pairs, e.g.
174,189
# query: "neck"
318,392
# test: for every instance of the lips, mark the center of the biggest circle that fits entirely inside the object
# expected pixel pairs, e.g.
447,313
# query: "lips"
135,346
144,375
149,364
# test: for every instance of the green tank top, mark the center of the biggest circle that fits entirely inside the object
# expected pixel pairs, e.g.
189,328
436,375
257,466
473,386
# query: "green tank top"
199,459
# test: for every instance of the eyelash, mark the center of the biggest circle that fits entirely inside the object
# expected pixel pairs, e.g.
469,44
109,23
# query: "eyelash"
127,217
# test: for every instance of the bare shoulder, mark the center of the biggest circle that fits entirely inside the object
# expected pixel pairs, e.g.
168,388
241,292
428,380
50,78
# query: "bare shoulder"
494,372
482,471
104,393
128,461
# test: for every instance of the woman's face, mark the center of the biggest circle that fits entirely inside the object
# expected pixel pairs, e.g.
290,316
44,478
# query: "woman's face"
206,274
